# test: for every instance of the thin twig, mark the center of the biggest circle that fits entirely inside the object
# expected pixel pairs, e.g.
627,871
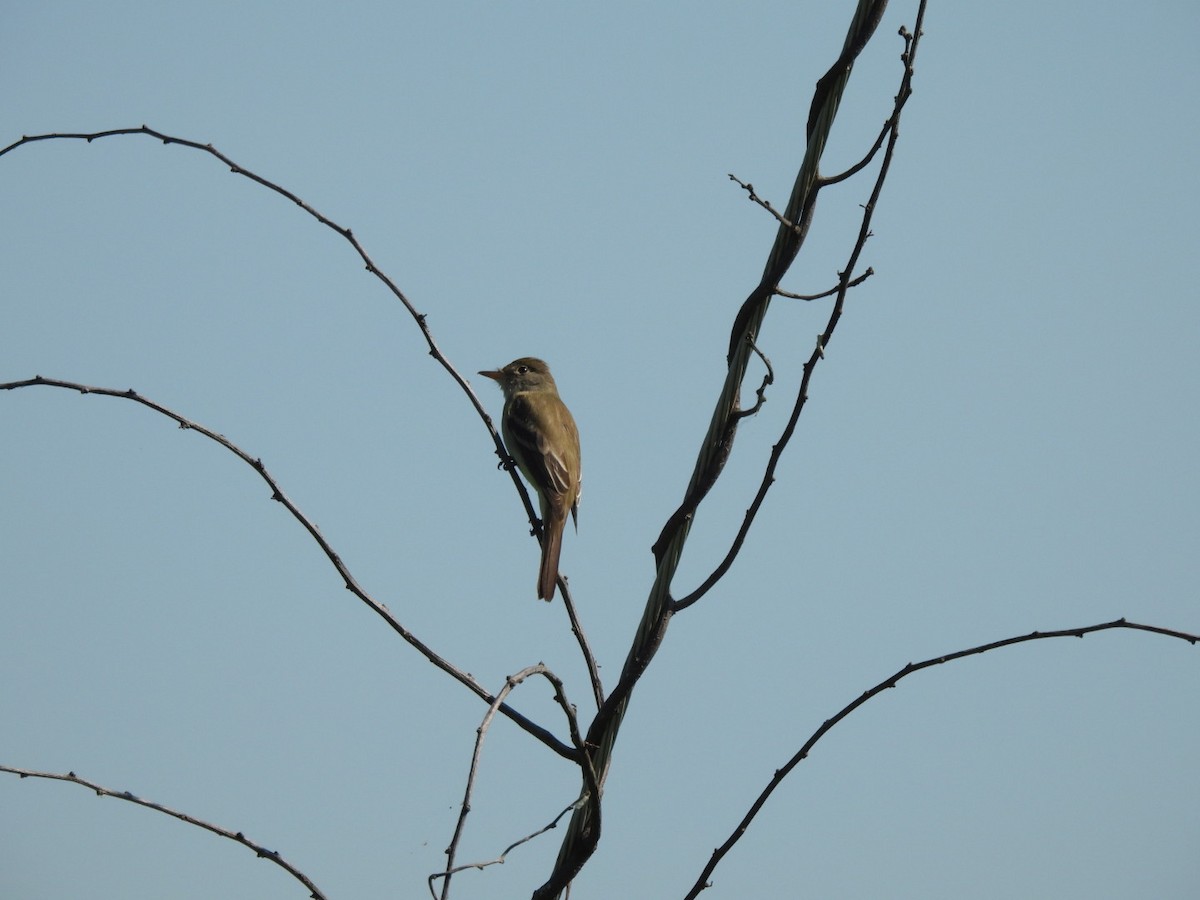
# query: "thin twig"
890,123
418,317
779,292
380,609
765,204
510,683
890,682
236,836
585,648
826,181
502,858
761,393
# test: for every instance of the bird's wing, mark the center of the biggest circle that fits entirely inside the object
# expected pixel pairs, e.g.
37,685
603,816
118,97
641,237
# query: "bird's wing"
544,464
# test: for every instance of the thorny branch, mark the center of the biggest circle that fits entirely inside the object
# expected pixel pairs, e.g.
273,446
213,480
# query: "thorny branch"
352,585
236,836
890,682
421,319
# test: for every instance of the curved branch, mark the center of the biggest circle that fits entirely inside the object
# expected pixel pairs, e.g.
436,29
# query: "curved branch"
261,851
780,292
510,683
761,393
828,180
418,317
353,586
891,682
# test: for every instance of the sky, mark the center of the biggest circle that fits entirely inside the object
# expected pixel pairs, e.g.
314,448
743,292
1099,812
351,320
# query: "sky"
1002,438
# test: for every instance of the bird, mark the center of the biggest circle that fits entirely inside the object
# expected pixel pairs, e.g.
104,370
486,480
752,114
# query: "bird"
542,438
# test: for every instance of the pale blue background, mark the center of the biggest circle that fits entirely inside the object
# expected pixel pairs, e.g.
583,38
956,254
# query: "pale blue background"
1003,438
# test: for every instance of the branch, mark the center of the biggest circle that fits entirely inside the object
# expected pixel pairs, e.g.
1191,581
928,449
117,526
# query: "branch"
761,393
353,586
510,684
580,840
418,317
584,647
261,851
890,123
891,682
765,204
910,46
826,181
503,857
789,238
780,292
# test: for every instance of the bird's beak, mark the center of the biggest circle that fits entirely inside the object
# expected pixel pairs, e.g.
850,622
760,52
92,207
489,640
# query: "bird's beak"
495,376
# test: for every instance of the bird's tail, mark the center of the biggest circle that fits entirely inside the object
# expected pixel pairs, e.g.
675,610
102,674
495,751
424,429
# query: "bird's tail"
552,535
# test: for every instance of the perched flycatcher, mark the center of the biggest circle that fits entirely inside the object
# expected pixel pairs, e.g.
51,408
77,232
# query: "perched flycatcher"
542,438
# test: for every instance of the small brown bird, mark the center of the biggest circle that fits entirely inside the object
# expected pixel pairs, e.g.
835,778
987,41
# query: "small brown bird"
542,438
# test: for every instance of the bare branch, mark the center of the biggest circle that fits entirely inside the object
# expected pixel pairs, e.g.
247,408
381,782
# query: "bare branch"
890,123
788,240
421,319
890,682
480,733
817,354
502,858
261,851
352,585
780,292
761,393
865,161
765,204
585,648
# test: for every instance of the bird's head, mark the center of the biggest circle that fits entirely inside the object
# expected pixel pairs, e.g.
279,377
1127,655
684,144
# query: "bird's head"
524,374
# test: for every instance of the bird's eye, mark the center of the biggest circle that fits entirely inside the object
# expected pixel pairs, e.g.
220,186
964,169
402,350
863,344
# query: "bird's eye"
521,370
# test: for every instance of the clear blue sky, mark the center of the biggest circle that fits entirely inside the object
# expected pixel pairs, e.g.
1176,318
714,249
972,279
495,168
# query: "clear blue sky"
1003,437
